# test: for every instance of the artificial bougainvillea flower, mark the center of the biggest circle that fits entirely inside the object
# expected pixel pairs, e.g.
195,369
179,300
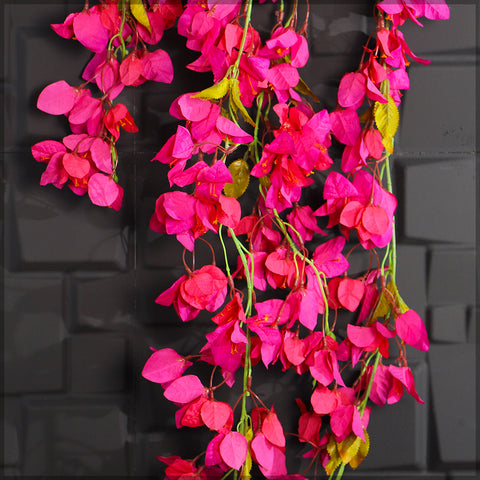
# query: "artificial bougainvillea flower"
268,444
345,125
401,10
346,419
324,368
227,343
89,30
370,338
286,42
157,66
328,257
202,289
57,98
389,382
117,117
411,329
164,366
104,191
179,469
178,147
185,389
271,314
370,212
301,218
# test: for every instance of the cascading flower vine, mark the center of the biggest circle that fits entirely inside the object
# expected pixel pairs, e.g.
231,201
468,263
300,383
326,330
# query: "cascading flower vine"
254,130
118,32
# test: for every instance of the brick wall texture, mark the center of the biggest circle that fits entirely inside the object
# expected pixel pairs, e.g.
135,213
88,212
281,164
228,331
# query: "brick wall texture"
80,281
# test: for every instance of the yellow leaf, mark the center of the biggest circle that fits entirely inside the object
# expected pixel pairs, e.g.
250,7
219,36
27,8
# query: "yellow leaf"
139,12
241,178
401,305
362,452
235,99
335,459
388,144
247,466
382,308
216,91
348,448
365,116
304,89
265,181
386,118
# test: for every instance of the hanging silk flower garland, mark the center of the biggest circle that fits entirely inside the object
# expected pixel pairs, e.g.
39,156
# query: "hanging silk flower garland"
256,134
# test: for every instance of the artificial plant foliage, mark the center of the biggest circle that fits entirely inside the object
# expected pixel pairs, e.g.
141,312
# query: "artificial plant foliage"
258,130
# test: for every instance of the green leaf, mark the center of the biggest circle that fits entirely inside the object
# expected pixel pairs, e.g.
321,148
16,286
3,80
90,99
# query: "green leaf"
304,89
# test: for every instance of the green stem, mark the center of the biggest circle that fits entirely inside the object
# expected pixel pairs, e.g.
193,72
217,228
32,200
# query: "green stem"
227,268
296,251
370,383
393,250
243,425
122,7
248,16
340,472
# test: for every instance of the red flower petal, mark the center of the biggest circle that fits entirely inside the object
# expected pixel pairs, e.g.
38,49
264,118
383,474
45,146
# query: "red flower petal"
350,293
323,400
76,166
272,429
216,415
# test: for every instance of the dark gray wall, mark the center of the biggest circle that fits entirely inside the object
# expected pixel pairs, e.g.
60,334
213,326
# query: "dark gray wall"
80,281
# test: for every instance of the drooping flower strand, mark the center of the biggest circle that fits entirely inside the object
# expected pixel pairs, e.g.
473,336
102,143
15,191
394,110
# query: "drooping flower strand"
117,33
276,257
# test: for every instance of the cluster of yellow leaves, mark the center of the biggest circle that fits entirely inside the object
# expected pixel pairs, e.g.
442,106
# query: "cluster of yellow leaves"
220,90
384,304
351,451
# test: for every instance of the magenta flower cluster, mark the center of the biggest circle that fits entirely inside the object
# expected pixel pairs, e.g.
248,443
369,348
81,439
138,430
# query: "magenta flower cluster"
86,161
256,130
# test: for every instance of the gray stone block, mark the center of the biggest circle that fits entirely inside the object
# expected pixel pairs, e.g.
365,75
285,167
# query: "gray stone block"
459,29
34,332
449,324
411,276
9,424
454,401
75,439
98,363
439,200
51,229
433,119
451,277
105,302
